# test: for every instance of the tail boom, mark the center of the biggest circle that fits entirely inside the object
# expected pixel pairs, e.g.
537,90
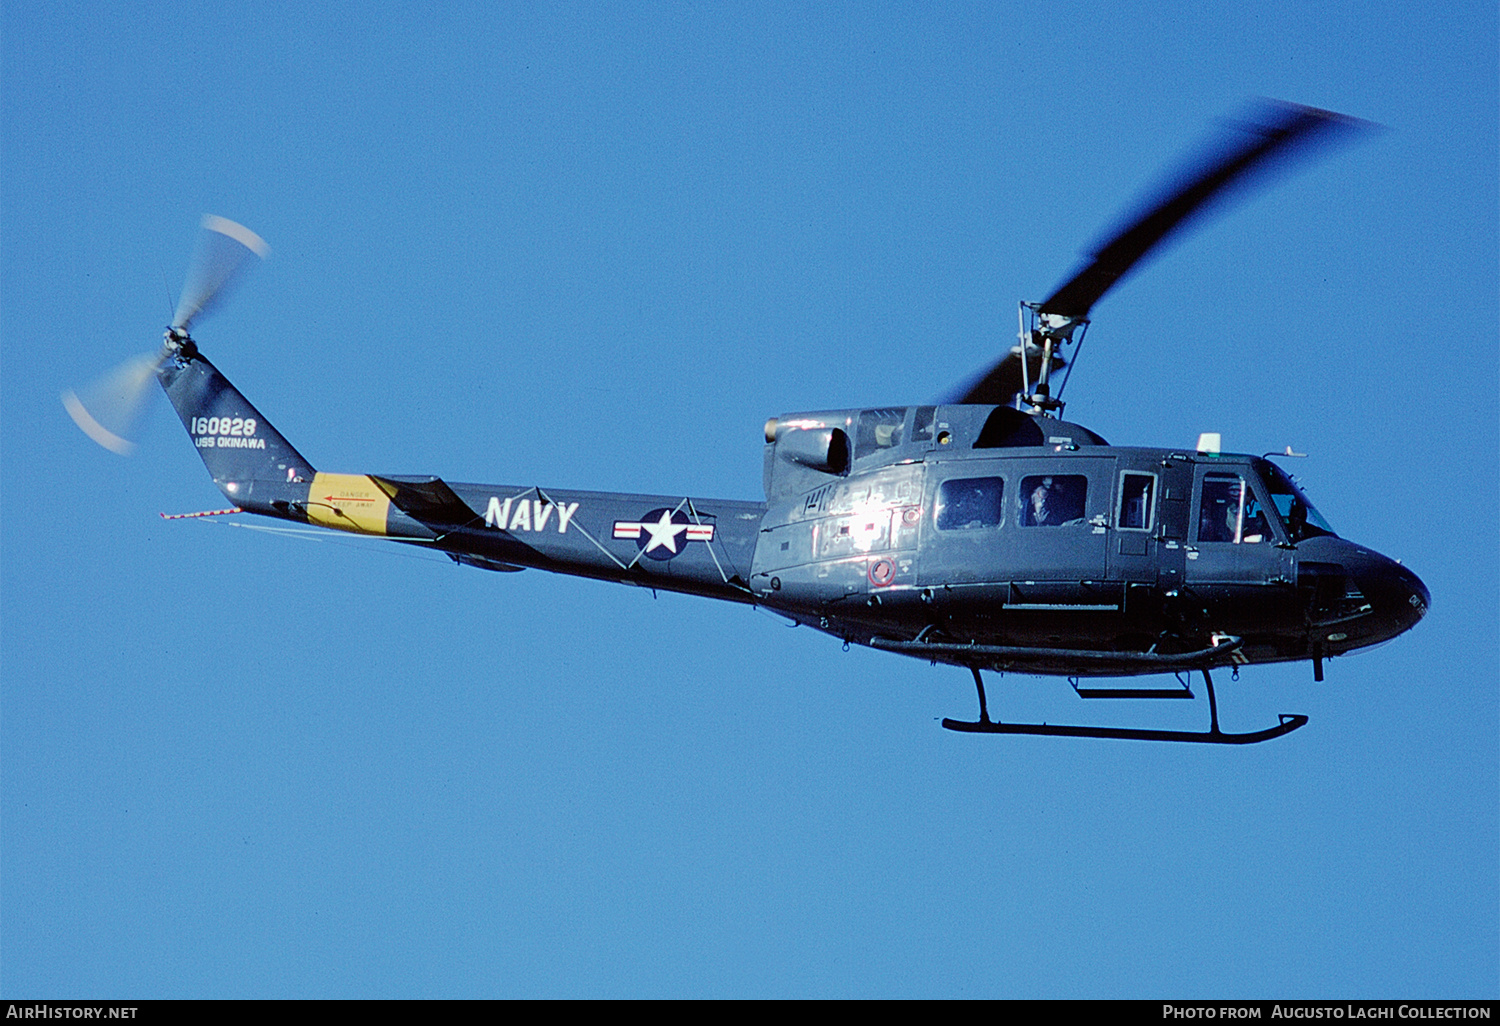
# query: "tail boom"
673,543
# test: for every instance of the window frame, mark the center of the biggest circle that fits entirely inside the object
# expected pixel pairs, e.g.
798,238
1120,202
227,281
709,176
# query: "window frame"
1150,504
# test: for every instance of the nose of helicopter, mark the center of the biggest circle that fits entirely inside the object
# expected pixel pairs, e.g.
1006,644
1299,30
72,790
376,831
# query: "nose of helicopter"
1397,597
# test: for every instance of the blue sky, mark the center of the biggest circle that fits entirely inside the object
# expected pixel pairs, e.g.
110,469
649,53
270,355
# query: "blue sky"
596,249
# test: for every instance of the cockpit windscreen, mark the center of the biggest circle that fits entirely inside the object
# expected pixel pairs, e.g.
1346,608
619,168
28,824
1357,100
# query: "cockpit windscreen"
1298,516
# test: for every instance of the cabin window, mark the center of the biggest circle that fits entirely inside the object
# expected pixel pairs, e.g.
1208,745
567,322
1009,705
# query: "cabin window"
1229,512
879,429
970,502
1137,495
1053,500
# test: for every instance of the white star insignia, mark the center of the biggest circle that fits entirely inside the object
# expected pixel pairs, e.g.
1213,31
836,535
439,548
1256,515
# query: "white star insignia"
663,533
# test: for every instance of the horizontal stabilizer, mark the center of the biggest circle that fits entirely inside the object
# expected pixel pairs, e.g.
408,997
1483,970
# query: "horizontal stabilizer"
428,499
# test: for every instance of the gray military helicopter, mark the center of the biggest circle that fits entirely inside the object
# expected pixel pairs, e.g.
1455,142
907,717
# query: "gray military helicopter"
981,531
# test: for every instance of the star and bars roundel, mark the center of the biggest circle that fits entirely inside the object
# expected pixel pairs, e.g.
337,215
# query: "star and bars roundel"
663,533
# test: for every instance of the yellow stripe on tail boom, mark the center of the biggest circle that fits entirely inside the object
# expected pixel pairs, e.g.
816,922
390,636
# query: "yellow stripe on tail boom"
347,502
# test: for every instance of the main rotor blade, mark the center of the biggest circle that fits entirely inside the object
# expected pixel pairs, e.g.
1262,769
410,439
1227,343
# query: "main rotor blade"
110,407
1274,132
1272,135
223,246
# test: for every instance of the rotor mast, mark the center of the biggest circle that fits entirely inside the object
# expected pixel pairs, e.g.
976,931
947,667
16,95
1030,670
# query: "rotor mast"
1042,337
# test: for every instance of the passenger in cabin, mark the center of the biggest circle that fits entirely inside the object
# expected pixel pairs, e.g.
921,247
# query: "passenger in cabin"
1041,513
1054,501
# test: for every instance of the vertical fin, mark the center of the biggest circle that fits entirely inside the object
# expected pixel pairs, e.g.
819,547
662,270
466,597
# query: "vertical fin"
236,443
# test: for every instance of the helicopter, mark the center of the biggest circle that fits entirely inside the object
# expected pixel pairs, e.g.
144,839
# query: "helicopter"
981,530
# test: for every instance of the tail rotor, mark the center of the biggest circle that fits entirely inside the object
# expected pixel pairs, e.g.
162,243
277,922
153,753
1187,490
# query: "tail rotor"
109,409
223,247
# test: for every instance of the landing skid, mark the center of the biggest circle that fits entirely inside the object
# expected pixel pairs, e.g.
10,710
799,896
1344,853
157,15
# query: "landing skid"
1289,722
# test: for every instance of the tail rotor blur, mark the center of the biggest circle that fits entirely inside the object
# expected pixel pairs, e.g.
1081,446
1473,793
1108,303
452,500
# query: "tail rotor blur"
223,247
109,409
